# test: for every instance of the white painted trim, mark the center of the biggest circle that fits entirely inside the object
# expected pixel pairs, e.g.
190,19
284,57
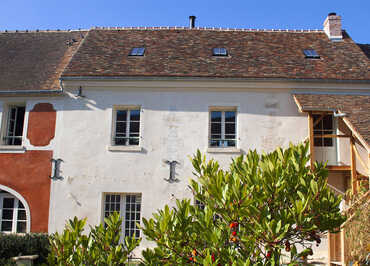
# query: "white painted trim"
224,150
24,202
125,148
12,149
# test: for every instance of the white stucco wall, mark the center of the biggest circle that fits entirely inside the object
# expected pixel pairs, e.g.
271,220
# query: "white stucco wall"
174,124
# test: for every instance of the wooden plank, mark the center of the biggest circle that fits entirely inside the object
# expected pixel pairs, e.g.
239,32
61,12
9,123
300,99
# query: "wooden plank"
353,168
339,167
361,161
332,136
310,134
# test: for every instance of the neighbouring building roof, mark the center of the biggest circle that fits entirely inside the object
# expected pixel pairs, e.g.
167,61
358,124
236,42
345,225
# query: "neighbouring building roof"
34,60
365,48
357,108
188,53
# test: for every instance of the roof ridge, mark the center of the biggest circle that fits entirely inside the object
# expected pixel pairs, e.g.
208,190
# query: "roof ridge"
42,31
207,28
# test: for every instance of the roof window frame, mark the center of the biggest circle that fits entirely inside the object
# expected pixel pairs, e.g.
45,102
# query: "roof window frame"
217,51
311,54
137,51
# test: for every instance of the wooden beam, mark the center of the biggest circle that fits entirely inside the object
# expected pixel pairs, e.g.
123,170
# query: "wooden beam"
353,167
332,136
339,167
318,120
310,134
361,161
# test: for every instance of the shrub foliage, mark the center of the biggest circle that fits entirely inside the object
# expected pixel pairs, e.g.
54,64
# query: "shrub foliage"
262,205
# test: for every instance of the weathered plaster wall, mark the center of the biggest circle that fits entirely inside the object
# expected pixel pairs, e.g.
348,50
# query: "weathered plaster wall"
174,124
27,171
28,174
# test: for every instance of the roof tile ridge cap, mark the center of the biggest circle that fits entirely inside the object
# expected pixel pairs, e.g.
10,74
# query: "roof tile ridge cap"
42,31
73,55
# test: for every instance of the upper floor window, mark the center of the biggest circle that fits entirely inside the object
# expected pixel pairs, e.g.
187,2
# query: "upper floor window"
13,127
127,126
129,207
323,125
310,53
222,128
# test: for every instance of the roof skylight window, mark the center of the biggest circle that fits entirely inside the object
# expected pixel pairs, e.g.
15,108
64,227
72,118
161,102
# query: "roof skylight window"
137,51
219,52
310,53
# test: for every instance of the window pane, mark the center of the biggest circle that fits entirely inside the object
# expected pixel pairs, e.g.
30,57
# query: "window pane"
107,198
215,128
6,226
214,143
134,142
19,121
118,141
230,116
317,142
7,214
8,203
319,124
328,142
215,116
21,227
121,128
229,143
230,128
20,205
121,115
328,122
134,127
215,137
230,136
135,115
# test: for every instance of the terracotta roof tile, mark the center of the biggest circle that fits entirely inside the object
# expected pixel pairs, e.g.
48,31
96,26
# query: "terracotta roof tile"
35,60
188,53
357,108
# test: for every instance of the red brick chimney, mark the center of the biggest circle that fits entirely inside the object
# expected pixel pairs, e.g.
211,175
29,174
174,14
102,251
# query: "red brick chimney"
333,27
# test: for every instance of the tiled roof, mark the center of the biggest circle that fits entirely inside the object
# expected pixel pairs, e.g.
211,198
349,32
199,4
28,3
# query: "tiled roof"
365,48
357,108
188,53
34,60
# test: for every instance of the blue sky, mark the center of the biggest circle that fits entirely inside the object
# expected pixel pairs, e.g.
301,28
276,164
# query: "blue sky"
272,14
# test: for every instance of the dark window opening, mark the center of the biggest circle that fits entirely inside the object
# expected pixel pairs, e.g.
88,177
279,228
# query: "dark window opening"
323,125
14,127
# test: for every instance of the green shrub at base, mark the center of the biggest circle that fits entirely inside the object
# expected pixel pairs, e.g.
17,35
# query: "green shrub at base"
12,245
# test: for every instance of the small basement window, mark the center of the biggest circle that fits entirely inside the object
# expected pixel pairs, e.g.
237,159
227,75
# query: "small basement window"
137,51
310,53
220,52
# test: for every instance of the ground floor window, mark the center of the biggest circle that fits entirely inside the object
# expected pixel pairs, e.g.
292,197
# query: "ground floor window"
129,207
13,218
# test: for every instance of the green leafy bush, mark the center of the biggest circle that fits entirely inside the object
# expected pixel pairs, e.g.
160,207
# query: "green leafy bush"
262,205
100,247
12,245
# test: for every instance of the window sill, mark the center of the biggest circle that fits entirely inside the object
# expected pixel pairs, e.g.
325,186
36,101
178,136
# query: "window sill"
12,149
224,150
125,148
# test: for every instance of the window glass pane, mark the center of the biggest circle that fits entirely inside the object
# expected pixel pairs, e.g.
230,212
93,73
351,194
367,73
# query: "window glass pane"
229,143
19,121
215,116
215,128
20,205
21,227
118,141
214,143
6,226
121,115
13,112
328,142
121,128
230,128
315,119
135,115
328,122
230,116
7,214
8,203
134,142
317,142
107,198
134,127
230,136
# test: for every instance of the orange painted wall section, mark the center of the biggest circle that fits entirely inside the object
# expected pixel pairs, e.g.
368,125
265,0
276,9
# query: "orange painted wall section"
41,124
28,174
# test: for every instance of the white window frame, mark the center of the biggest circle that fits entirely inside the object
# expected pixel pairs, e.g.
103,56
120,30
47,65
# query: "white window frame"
114,125
122,211
223,126
6,124
15,213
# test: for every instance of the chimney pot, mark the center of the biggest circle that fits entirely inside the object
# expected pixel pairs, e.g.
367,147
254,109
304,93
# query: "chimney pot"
192,21
333,27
